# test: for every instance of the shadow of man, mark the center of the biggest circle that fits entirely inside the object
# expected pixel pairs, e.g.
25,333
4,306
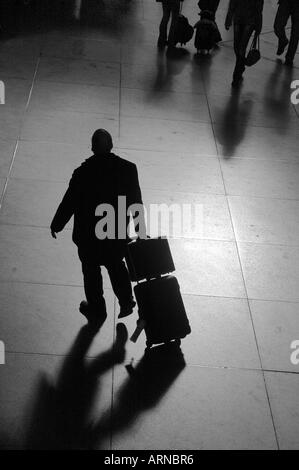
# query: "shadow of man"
61,412
231,123
168,68
64,417
145,386
277,102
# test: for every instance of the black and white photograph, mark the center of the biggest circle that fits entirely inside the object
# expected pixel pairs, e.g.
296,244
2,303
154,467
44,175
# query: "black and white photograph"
149,227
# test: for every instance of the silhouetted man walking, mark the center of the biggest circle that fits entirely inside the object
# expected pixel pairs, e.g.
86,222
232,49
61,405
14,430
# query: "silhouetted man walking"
247,17
287,9
101,179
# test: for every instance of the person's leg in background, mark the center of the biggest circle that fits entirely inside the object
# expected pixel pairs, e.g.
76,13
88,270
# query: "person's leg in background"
294,39
281,19
121,285
175,11
162,41
242,35
240,66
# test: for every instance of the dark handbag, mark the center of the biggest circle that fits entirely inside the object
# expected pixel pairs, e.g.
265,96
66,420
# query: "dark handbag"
183,31
254,54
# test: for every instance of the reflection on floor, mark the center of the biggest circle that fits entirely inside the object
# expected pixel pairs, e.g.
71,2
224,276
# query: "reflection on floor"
194,141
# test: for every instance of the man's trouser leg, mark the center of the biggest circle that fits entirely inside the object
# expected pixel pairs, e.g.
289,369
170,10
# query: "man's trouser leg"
175,10
120,281
93,282
242,35
281,19
294,39
164,21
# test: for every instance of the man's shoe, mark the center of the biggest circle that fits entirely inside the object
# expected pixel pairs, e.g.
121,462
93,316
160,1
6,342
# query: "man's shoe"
127,309
281,46
289,62
94,316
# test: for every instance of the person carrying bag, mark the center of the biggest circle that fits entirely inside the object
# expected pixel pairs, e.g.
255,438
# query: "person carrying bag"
247,18
171,8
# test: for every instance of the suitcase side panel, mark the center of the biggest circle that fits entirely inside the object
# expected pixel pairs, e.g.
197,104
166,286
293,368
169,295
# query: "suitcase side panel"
149,259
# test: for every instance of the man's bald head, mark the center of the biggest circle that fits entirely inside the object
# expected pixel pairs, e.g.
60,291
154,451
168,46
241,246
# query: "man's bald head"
101,142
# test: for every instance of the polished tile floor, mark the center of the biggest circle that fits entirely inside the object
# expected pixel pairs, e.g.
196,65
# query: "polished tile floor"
193,141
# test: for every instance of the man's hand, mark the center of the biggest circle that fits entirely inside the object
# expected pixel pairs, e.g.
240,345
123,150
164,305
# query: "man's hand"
258,29
53,234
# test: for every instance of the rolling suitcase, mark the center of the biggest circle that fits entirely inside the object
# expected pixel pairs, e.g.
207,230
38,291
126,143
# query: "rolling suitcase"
161,309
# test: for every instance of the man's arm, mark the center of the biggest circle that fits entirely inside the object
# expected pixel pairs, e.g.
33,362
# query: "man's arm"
230,13
259,20
65,209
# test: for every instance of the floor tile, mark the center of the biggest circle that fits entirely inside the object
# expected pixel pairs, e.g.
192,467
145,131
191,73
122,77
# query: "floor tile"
31,202
271,272
262,220
87,72
31,255
162,105
2,184
245,109
206,267
20,46
283,394
132,54
249,177
16,93
168,75
215,222
48,161
79,48
49,319
220,409
235,139
167,135
74,97
222,333
17,66
6,154
10,124
204,177
66,127
276,325
177,158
